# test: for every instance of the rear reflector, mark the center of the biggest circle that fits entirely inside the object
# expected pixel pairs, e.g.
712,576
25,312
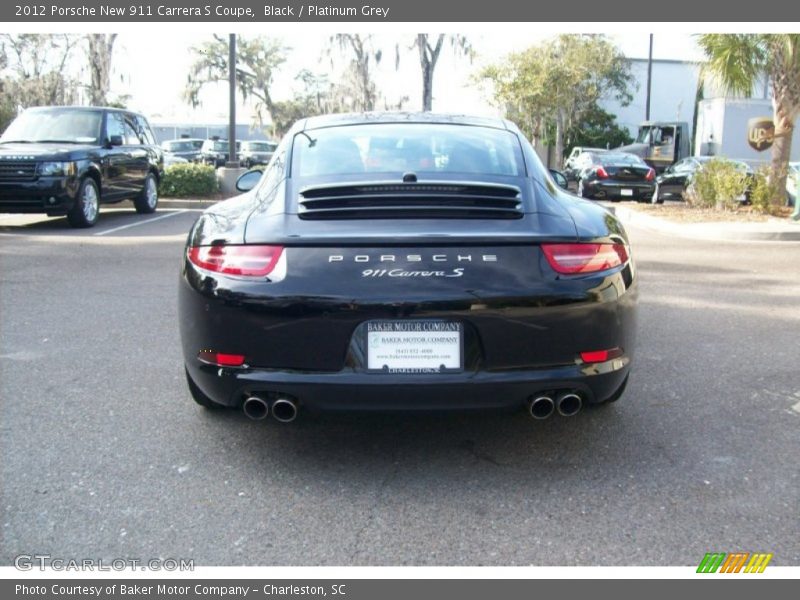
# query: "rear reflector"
221,359
571,259
597,356
247,261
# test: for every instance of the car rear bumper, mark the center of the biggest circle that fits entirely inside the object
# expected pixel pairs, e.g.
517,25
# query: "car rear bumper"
618,189
313,348
357,391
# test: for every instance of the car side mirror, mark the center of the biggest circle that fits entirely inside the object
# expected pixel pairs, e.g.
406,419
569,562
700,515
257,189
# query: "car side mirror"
249,180
115,140
559,178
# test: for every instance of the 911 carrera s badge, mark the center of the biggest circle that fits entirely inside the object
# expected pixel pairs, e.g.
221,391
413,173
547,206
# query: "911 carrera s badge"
458,272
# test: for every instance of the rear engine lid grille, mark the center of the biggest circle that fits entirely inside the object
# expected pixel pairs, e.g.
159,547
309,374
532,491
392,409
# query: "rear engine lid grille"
411,201
17,169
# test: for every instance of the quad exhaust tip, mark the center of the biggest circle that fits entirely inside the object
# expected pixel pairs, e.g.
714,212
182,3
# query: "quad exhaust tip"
284,410
255,408
569,404
542,407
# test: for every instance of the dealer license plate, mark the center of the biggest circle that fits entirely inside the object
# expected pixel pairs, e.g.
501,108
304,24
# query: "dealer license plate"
625,192
415,346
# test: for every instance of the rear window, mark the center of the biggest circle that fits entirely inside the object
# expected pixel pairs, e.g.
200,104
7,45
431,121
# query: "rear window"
619,158
180,146
406,148
216,145
259,146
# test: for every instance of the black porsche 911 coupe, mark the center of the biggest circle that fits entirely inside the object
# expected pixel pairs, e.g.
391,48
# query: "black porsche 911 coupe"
406,262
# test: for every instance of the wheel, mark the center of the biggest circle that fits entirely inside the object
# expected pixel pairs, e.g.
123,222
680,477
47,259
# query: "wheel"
86,209
656,198
198,395
581,190
688,191
147,201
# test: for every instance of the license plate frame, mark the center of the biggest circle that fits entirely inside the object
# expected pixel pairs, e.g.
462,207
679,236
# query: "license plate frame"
414,346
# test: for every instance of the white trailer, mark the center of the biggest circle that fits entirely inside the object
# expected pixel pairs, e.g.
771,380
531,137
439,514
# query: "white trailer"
723,129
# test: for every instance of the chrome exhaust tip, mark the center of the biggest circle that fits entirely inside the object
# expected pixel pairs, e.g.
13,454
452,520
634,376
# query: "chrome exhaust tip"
541,407
255,408
284,410
569,404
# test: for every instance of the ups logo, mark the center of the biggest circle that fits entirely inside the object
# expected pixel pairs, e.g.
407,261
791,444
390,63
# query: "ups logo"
760,133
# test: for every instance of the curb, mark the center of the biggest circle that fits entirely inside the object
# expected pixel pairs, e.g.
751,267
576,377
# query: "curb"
185,203
760,231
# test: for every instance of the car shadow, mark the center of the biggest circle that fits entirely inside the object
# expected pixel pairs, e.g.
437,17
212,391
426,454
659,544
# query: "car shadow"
438,445
43,225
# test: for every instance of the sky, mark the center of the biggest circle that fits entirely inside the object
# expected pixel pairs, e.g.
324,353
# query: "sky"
154,74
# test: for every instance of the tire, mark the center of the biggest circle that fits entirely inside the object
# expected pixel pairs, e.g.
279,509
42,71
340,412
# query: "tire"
86,210
582,191
656,197
198,396
687,191
147,200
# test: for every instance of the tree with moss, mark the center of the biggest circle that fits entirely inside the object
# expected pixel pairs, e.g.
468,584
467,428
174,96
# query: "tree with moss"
430,47
257,61
35,72
99,54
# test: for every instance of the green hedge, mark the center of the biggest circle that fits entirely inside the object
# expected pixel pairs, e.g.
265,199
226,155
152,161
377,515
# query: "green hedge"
189,180
765,196
718,184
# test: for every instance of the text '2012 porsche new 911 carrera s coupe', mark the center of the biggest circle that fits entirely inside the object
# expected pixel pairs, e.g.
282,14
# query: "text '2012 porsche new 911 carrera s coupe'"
406,262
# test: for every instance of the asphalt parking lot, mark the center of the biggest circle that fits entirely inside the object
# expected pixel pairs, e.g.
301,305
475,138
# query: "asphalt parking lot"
104,455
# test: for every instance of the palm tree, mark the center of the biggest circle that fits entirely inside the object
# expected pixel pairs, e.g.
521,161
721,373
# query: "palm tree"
738,61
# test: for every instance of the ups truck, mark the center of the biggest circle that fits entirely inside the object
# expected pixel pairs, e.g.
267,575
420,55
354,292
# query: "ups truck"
739,128
661,143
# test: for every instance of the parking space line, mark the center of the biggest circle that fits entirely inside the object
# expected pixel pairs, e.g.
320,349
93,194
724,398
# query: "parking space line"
158,218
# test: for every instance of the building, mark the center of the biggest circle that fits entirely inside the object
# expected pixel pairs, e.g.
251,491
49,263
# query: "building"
166,130
673,94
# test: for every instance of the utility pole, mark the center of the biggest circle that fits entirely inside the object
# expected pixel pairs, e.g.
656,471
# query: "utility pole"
233,161
649,79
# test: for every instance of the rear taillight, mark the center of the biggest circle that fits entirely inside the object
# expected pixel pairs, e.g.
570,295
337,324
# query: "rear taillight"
651,174
601,172
571,259
245,261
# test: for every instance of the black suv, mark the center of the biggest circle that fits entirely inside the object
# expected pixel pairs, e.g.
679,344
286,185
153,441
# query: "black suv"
256,152
215,152
67,160
188,148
